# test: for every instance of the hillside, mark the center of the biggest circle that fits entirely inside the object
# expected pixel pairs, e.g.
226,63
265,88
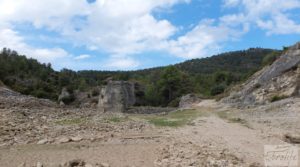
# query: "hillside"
208,76
242,62
275,82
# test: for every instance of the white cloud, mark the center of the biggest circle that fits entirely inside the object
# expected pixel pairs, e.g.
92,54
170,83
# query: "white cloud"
205,39
51,14
121,62
231,3
11,39
270,15
115,26
120,27
81,57
279,24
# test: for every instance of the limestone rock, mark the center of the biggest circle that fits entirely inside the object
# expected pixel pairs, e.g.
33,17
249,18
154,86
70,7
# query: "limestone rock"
287,61
88,165
117,96
43,141
64,96
294,139
104,165
187,100
277,81
63,140
39,164
76,139
22,165
75,163
10,98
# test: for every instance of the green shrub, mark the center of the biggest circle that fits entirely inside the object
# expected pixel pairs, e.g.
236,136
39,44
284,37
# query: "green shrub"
174,103
277,98
40,93
175,119
218,89
270,58
73,121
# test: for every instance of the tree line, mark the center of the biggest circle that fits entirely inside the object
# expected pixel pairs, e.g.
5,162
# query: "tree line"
162,86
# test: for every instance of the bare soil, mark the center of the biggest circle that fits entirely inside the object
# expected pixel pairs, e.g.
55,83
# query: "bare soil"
219,136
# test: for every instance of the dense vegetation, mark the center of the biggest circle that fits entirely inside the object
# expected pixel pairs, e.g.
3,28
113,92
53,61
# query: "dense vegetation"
161,86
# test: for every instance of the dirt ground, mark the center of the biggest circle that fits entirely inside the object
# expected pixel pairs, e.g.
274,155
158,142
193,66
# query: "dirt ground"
219,136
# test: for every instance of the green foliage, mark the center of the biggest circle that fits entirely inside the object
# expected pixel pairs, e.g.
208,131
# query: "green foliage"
170,83
270,58
152,95
27,76
277,98
217,89
162,86
116,119
238,62
74,121
174,103
175,119
284,48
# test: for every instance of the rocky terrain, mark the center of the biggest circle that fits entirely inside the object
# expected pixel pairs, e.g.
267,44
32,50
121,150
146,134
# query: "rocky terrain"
275,82
202,133
9,98
218,136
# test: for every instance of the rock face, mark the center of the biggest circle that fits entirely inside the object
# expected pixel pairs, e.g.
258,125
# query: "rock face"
277,81
86,99
117,96
10,98
187,100
64,95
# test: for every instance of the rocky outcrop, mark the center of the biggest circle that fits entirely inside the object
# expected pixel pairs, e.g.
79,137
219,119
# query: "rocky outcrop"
117,96
188,100
65,97
86,99
277,81
10,98
286,62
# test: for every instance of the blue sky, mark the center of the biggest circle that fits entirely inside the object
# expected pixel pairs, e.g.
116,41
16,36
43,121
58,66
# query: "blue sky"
137,34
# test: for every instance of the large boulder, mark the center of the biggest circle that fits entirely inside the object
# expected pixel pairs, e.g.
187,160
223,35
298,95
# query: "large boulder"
117,96
188,100
65,97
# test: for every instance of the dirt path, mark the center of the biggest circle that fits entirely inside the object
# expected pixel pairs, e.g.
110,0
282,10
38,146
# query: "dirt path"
210,140
245,143
114,154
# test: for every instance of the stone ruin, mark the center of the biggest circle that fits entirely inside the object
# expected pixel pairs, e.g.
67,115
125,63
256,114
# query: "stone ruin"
117,96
